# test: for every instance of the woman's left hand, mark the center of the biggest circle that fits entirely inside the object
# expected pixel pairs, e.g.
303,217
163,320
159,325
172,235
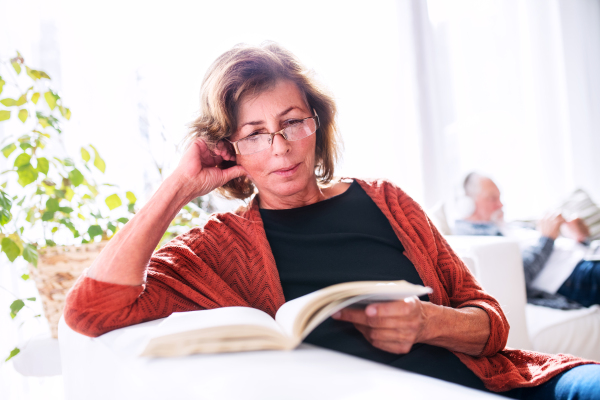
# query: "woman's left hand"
393,327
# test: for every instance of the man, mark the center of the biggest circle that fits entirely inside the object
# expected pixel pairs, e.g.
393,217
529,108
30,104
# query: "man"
485,217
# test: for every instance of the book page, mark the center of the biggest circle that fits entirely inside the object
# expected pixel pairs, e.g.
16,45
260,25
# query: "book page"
224,316
565,256
217,330
287,313
300,316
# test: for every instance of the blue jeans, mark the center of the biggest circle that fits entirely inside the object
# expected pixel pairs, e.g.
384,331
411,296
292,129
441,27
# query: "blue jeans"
583,285
579,383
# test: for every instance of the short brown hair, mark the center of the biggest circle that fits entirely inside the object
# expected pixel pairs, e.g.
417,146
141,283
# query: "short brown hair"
251,70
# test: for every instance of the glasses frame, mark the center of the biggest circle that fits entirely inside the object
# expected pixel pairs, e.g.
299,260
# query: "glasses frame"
280,132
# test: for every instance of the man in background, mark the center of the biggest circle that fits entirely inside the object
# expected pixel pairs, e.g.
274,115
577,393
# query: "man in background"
483,208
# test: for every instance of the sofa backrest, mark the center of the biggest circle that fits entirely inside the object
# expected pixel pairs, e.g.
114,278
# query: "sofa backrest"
497,264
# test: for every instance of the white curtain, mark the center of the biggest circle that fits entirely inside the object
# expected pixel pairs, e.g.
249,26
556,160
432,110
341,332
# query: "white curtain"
518,98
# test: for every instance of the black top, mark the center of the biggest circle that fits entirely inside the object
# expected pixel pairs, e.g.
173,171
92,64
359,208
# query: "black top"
348,238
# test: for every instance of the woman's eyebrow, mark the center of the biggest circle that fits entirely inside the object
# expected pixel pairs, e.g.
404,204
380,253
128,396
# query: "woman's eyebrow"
281,114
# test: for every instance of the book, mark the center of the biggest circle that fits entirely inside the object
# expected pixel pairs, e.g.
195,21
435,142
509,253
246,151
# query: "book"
593,253
232,329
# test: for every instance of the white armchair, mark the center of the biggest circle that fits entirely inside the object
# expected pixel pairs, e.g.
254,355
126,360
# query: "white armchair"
497,264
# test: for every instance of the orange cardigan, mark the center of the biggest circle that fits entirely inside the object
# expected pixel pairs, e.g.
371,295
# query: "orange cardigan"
229,262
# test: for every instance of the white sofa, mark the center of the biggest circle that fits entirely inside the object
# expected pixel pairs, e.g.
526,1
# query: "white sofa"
497,264
107,367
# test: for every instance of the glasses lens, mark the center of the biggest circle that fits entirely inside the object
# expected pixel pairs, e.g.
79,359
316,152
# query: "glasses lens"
301,129
254,144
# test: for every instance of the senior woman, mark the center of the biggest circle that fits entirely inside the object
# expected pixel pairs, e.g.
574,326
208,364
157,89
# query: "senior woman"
266,127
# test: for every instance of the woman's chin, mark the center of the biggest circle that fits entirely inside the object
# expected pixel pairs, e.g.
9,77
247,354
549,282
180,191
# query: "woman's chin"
284,187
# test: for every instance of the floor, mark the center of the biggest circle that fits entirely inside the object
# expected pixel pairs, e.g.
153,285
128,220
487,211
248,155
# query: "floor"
17,332
14,386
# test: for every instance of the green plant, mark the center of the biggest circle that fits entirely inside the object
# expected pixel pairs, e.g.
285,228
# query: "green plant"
47,198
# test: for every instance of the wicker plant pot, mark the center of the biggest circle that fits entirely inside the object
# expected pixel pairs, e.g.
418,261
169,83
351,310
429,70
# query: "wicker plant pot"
58,269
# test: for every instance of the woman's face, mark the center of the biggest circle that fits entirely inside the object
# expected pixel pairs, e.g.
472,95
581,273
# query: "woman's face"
283,172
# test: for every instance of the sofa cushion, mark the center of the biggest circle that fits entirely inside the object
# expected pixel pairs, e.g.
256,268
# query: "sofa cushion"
574,332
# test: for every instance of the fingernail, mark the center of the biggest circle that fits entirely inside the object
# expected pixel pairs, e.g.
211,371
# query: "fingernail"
371,311
336,315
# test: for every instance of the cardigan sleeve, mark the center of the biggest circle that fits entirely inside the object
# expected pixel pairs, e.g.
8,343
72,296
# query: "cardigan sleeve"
178,279
464,291
439,267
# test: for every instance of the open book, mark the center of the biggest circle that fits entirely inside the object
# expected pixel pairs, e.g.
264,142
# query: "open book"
231,329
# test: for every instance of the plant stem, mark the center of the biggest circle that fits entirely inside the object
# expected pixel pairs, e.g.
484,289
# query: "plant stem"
15,296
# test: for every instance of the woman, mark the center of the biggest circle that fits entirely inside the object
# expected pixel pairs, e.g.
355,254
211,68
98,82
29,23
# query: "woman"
265,124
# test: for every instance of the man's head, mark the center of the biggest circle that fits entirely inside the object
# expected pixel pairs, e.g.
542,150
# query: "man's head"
486,196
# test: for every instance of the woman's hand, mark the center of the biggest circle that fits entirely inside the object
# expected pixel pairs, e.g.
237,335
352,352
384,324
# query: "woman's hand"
126,256
395,326
197,172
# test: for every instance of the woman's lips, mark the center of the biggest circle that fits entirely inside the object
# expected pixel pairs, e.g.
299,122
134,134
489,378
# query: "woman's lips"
287,171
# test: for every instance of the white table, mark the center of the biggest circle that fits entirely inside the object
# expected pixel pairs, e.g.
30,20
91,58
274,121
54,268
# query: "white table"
108,368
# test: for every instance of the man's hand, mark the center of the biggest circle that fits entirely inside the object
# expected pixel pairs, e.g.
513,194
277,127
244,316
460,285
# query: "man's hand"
393,327
549,226
576,229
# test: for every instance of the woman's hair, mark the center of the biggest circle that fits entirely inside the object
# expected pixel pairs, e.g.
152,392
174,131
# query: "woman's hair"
249,71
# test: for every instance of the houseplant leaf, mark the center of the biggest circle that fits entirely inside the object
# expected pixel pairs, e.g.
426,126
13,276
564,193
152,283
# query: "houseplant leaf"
13,353
95,230
5,201
22,159
5,216
23,114
50,99
7,150
43,165
85,155
17,67
27,175
98,161
22,100
76,177
10,248
113,201
30,254
131,197
8,102
15,307
4,115
52,205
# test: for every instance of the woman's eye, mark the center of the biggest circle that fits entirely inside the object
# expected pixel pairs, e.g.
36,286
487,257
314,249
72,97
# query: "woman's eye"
292,122
253,136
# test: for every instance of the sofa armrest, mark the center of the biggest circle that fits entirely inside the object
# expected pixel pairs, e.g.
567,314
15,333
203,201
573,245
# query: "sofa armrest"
498,267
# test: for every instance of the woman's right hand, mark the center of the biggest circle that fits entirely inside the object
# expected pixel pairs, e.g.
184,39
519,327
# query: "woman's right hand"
197,172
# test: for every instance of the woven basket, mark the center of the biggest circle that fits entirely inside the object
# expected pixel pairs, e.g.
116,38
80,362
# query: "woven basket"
58,269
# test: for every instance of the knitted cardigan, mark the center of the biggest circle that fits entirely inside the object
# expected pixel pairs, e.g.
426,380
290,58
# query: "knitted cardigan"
229,262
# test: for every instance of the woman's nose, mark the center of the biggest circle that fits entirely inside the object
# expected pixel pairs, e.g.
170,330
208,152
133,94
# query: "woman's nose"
280,145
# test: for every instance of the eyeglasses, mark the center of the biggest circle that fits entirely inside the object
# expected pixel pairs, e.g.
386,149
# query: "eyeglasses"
295,129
